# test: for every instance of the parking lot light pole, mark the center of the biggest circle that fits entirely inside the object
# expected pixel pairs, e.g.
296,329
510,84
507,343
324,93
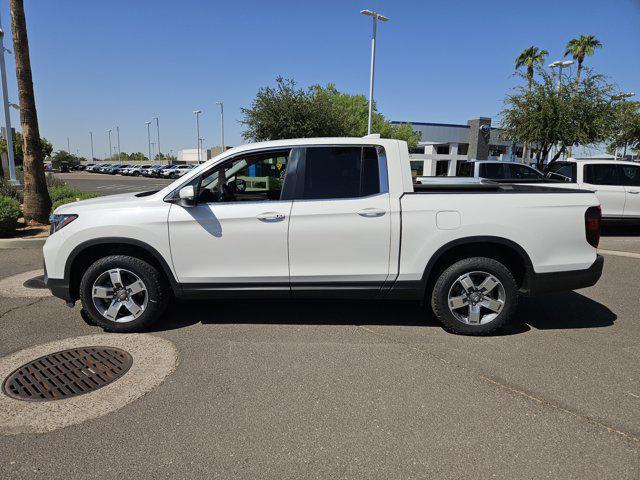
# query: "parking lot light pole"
559,64
110,149
7,113
375,16
221,125
158,132
197,114
149,139
91,141
118,135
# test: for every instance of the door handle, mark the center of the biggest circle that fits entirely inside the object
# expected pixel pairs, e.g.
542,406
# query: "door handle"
371,212
270,217
635,192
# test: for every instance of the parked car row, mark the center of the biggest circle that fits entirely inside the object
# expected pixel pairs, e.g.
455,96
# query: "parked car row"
155,171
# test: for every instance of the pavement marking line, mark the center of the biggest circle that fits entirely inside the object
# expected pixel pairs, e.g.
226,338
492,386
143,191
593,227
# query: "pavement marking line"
511,389
154,358
620,254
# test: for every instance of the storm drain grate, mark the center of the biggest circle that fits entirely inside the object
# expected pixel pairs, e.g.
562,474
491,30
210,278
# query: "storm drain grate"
35,282
67,373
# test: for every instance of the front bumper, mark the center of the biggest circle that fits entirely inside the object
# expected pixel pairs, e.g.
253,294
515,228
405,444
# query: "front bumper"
59,287
564,281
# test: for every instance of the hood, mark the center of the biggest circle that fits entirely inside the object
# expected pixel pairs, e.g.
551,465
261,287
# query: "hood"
109,200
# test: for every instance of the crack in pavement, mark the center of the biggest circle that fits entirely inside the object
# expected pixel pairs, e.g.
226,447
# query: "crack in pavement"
503,385
13,309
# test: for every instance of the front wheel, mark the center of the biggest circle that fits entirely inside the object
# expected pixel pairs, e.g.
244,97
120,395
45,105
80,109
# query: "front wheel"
123,294
474,296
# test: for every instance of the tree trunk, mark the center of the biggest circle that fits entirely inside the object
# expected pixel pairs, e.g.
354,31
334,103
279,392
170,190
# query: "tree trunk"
37,203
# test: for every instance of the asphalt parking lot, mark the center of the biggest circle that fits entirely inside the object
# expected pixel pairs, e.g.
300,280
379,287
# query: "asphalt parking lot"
111,184
330,389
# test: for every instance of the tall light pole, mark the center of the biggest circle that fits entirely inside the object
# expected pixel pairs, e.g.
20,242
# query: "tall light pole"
7,113
158,132
118,135
622,96
110,149
68,146
375,16
559,64
149,139
221,125
91,141
197,114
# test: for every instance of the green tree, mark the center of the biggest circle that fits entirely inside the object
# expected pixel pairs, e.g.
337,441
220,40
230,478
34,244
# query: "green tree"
62,156
626,127
285,111
545,117
45,145
37,203
578,48
529,59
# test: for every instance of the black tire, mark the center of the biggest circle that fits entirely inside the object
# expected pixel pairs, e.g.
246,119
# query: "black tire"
445,284
156,289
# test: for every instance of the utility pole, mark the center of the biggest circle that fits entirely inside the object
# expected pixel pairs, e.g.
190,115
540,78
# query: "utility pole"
91,140
68,146
149,139
375,16
7,114
158,131
221,125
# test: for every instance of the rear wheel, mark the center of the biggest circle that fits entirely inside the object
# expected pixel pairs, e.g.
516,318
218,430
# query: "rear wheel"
123,294
474,296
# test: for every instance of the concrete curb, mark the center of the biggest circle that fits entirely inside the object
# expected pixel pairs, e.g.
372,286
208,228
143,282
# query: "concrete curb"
7,243
154,358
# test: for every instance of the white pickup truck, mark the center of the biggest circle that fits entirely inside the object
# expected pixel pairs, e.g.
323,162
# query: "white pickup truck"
330,217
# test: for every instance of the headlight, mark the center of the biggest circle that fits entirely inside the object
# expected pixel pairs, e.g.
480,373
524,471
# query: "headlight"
61,220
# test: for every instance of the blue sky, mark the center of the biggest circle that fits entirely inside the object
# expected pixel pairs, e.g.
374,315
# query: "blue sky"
97,64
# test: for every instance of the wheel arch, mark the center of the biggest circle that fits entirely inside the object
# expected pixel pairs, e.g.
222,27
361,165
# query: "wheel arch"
501,249
88,252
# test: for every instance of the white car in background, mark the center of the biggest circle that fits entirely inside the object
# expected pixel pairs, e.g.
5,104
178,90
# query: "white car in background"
615,183
176,172
135,170
496,170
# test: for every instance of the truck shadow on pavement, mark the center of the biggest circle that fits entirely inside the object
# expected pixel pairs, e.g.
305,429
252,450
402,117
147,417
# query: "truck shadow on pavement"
557,311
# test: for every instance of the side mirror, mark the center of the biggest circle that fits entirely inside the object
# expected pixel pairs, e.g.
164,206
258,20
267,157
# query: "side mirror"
186,196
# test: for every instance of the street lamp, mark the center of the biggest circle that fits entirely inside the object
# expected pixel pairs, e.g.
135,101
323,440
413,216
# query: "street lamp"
221,125
7,114
622,96
158,131
118,134
197,114
149,139
91,141
110,149
560,64
375,16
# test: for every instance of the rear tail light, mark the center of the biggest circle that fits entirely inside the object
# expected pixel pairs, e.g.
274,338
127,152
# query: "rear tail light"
592,219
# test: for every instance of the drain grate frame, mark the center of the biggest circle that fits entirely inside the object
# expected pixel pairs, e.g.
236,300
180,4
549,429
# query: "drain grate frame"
67,373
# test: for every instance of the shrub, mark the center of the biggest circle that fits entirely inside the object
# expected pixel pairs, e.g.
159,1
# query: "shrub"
63,191
8,190
80,196
9,214
53,181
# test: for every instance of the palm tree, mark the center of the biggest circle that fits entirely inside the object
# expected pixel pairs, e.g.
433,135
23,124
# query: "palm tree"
529,58
37,203
581,47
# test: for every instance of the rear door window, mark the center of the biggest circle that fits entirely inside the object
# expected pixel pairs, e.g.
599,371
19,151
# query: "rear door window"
492,170
522,172
602,174
341,172
562,171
